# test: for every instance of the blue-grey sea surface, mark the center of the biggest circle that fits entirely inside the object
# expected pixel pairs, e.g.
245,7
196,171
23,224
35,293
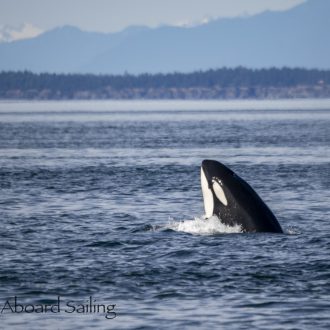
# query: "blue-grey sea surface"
106,205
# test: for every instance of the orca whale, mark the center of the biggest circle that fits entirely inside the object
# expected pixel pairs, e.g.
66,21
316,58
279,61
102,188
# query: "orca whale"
233,200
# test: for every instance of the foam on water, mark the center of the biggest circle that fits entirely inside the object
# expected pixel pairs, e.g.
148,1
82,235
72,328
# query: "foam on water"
202,226
291,231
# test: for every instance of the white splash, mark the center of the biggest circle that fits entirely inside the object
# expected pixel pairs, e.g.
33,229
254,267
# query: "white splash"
291,231
202,226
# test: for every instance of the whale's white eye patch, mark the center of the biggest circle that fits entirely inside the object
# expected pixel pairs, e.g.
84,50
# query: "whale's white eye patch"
219,193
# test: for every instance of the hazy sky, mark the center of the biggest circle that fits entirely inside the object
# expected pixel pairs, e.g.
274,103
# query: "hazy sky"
33,16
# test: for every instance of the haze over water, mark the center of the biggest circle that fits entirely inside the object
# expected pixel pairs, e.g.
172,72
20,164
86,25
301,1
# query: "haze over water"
103,199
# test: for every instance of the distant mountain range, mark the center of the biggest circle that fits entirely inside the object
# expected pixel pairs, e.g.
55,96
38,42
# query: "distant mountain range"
295,38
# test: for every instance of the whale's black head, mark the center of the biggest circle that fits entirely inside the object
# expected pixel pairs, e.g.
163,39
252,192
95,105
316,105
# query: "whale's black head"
233,200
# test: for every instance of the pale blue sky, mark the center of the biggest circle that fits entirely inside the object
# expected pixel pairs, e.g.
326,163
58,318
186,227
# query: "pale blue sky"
115,15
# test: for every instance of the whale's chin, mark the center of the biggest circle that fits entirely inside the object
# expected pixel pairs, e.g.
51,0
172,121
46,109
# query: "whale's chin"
207,195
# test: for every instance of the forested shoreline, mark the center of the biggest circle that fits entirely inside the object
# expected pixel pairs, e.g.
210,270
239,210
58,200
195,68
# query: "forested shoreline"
225,83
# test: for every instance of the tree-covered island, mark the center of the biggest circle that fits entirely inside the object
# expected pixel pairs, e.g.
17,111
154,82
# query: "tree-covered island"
225,83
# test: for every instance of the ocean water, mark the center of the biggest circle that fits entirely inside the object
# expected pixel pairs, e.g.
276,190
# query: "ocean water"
102,216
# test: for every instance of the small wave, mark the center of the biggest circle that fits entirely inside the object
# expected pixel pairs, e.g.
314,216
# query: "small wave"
146,227
105,244
202,226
